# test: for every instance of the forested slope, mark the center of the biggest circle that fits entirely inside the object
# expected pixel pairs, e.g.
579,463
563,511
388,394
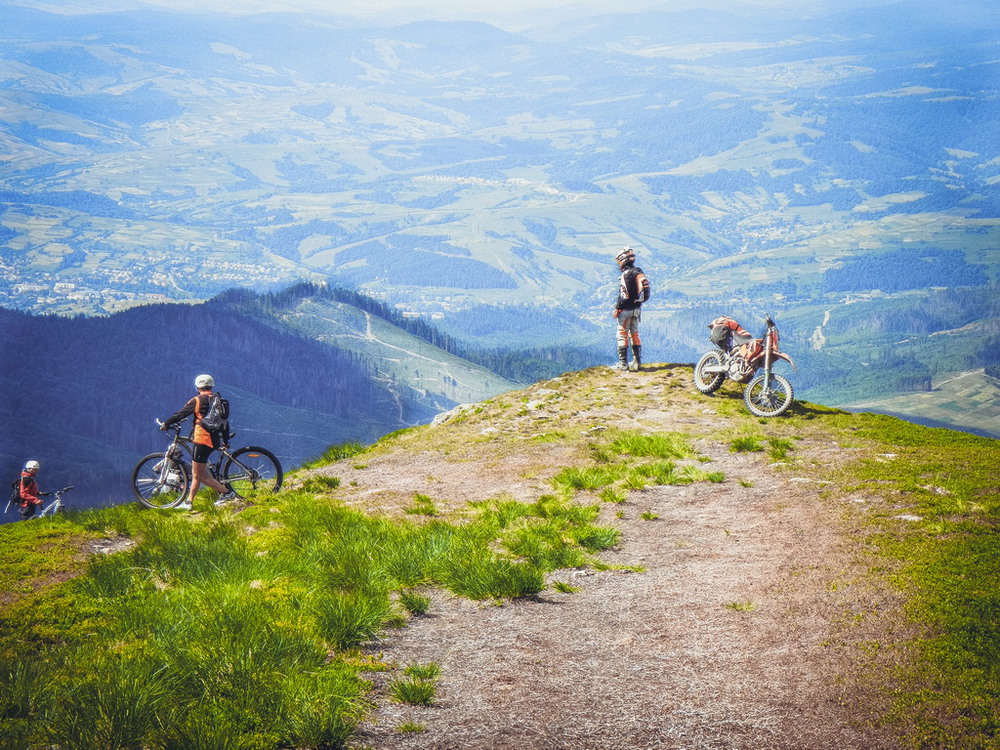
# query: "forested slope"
82,393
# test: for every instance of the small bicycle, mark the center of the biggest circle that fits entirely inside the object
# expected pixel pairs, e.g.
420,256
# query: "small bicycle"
57,504
52,508
161,480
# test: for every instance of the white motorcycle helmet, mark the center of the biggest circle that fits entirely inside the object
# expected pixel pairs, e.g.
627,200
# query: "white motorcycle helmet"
204,381
626,256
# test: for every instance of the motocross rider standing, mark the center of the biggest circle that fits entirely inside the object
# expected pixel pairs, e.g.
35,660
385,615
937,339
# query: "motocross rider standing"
633,290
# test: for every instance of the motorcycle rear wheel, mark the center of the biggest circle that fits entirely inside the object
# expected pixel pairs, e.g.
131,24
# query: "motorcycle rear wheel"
765,400
708,382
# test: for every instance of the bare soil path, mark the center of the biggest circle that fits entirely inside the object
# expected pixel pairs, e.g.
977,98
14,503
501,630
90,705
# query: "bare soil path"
741,630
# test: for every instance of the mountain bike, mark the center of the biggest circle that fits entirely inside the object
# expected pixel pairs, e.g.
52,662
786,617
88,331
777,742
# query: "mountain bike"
52,508
161,480
56,505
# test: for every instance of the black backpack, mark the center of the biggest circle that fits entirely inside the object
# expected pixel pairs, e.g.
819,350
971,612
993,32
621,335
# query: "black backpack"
15,493
644,290
216,420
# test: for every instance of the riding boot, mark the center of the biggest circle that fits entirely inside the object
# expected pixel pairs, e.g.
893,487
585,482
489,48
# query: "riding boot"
637,356
622,358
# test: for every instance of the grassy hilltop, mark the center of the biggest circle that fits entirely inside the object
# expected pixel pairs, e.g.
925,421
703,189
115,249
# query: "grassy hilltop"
600,559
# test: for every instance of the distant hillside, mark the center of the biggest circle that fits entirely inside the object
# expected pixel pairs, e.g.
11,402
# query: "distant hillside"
966,400
445,165
82,393
409,350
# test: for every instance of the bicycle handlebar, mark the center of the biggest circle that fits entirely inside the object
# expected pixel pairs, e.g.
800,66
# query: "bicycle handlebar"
177,428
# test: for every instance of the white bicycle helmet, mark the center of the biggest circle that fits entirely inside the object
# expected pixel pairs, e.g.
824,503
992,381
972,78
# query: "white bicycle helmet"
32,465
204,381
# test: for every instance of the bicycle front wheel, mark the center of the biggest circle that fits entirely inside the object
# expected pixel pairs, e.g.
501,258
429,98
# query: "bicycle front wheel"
159,482
252,469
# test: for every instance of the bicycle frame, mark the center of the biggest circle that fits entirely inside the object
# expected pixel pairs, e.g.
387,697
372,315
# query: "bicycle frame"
54,507
183,444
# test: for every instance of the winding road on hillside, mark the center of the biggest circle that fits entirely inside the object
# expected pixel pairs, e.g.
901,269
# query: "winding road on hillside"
743,623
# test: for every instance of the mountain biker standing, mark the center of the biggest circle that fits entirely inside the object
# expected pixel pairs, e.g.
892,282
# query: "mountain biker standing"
31,498
204,442
633,290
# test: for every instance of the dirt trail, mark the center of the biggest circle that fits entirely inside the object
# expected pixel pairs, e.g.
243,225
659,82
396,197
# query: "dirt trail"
739,632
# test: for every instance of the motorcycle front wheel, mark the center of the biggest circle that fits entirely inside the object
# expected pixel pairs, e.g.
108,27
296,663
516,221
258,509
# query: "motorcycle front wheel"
768,396
708,382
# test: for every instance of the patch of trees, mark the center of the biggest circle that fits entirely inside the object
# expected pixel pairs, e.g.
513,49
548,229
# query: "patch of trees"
838,379
539,363
421,267
525,364
251,303
143,105
77,200
307,177
900,270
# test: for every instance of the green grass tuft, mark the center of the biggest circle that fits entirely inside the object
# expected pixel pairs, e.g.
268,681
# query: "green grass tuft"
414,603
336,453
321,483
779,448
612,495
411,727
422,505
655,445
746,444
564,588
428,671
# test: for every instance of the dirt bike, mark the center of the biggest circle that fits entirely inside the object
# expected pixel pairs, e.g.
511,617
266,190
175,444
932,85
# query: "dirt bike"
766,394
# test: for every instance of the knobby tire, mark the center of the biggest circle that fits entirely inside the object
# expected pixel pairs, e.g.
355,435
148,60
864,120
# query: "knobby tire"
768,402
711,382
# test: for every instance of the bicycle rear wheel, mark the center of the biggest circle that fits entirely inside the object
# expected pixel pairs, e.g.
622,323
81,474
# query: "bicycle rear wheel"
159,482
252,469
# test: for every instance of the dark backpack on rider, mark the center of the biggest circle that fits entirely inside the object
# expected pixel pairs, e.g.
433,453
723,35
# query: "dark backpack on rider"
637,285
15,493
216,419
